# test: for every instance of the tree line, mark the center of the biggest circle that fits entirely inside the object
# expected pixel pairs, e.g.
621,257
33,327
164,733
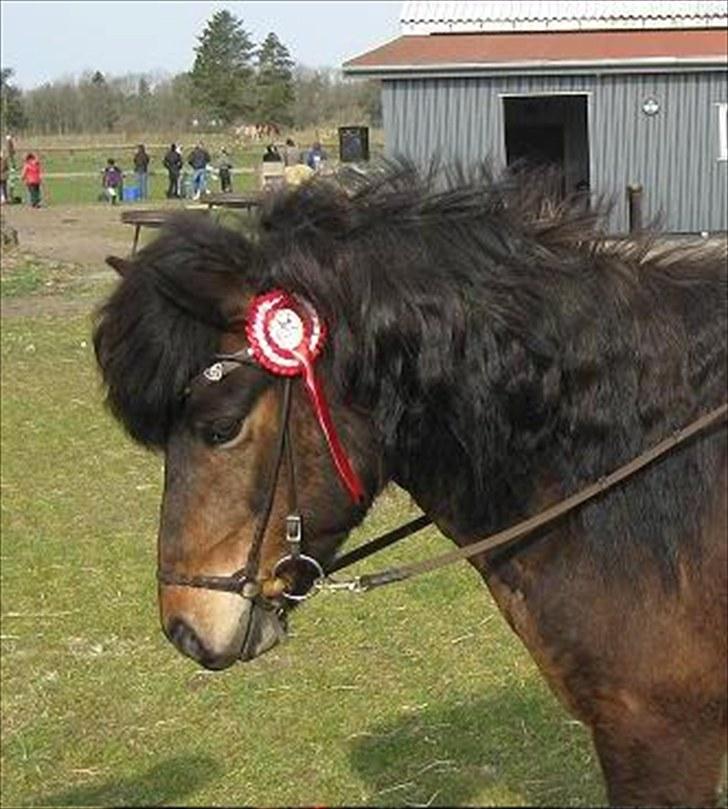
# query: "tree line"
232,81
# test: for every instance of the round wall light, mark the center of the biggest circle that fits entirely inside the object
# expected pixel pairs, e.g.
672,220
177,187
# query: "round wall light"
650,106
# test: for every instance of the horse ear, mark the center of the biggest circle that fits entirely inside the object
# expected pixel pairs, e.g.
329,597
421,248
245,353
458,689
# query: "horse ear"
121,265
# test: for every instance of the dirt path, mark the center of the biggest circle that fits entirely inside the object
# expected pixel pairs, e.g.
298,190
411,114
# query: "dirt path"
71,242
82,234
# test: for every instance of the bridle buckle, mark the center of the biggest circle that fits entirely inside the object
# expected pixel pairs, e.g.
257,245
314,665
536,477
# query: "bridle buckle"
294,533
294,537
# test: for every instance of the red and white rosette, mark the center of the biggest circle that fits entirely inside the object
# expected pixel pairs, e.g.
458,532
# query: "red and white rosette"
286,335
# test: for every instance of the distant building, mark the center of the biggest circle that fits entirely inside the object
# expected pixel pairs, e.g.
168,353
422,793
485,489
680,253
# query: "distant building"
614,93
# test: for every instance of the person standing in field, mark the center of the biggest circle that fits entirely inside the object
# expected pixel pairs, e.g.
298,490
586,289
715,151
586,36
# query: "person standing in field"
272,155
31,176
141,170
10,149
316,156
112,181
291,153
173,163
224,169
199,159
4,174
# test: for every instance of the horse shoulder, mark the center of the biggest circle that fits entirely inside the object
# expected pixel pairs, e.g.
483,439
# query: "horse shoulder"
641,664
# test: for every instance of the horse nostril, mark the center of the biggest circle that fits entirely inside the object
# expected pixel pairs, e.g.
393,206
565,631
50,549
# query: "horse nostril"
186,640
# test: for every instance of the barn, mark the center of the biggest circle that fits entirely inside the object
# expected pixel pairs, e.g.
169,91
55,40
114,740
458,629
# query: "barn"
615,94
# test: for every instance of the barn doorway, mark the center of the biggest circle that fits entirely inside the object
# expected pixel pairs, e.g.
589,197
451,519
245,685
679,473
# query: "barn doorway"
549,131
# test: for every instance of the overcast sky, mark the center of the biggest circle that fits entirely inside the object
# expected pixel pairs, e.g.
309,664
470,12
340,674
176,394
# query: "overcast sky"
43,41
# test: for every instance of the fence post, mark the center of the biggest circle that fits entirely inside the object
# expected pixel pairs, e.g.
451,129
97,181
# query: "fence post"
634,198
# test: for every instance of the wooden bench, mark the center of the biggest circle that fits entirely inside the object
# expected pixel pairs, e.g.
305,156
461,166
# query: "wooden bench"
145,219
246,202
152,219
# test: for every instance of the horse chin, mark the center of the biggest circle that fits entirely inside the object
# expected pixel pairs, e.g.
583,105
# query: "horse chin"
266,629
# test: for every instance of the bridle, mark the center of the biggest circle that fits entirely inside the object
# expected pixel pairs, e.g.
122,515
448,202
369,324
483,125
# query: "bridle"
285,336
244,581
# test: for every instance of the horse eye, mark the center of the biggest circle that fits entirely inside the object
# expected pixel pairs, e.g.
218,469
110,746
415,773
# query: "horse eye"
222,431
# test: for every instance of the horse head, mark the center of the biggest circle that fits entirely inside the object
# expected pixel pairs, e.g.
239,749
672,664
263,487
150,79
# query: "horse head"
182,306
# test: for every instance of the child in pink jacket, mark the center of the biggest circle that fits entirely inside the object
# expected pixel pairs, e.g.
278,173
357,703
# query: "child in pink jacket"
31,176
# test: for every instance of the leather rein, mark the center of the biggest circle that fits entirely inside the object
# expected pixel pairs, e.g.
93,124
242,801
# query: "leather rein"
245,583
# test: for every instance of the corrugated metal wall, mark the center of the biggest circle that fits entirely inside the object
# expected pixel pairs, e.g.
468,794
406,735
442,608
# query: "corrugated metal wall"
673,154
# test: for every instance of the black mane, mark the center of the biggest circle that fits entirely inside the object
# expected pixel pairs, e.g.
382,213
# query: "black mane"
164,321
490,338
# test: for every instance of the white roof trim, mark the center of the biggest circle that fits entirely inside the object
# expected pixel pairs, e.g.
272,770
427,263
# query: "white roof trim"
544,66
565,15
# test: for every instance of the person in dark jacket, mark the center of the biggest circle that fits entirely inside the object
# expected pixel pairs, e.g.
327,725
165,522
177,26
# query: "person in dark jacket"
141,171
224,169
199,158
272,155
173,163
112,181
316,156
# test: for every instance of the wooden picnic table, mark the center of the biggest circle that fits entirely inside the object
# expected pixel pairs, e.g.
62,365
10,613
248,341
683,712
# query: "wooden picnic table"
157,218
246,202
148,219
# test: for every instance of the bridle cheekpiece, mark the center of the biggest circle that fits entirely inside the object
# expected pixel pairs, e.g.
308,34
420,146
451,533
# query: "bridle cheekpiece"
285,337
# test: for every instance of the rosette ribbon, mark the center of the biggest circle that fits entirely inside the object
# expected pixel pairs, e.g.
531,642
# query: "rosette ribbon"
286,336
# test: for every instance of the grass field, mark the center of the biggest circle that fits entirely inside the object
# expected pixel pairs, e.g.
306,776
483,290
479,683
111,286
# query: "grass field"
79,190
417,694
83,185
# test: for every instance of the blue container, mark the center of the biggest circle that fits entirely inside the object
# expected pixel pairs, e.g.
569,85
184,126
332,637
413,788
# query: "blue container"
131,193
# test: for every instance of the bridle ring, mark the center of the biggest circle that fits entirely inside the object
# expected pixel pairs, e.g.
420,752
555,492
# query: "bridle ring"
300,557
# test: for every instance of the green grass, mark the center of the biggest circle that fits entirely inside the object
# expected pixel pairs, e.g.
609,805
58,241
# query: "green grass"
24,274
77,190
27,277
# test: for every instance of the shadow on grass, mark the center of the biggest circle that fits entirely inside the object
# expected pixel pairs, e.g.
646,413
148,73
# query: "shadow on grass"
166,783
518,747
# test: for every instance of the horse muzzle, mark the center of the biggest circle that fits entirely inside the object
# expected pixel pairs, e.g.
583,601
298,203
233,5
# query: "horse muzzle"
256,628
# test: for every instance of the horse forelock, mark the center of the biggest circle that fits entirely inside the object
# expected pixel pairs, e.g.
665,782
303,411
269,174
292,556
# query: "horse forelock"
164,320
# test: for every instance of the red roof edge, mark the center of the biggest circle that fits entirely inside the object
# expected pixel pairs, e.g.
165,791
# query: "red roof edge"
502,50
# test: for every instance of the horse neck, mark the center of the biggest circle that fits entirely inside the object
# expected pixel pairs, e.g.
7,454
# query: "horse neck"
462,404
506,388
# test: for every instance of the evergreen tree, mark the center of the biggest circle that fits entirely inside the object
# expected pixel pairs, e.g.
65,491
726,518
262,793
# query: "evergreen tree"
144,101
143,89
275,82
222,74
105,109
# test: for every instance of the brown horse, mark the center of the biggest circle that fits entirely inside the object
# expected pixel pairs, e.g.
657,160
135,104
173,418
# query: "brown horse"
489,361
